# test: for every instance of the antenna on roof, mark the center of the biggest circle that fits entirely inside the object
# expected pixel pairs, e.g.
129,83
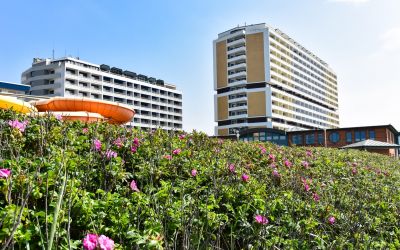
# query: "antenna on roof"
53,53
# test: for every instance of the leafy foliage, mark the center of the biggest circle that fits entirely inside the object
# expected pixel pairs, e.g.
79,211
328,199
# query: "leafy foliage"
287,201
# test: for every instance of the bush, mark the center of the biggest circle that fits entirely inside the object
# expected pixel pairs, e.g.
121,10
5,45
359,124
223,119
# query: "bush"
69,180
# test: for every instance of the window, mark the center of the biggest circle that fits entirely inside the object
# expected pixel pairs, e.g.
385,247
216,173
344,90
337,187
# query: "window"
297,139
349,137
359,136
310,139
320,138
372,134
334,137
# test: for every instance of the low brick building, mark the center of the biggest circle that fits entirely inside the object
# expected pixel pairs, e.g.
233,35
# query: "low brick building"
339,137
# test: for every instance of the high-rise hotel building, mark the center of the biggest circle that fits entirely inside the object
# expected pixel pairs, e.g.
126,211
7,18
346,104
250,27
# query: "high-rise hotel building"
265,79
157,104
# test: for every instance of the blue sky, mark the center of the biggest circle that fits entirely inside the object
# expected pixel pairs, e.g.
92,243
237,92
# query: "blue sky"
172,40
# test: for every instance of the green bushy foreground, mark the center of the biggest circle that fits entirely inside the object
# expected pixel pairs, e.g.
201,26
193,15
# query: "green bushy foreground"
55,164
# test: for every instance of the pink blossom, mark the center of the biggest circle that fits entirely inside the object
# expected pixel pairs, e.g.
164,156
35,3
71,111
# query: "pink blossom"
110,154
231,168
261,219
176,151
58,117
85,130
90,242
133,186
105,243
263,151
271,157
97,144
5,173
133,149
168,157
331,220
21,126
136,141
305,164
305,184
118,142
354,171
316,197
194,172
181,137
309,153
276,173
287,163
273,165
245,177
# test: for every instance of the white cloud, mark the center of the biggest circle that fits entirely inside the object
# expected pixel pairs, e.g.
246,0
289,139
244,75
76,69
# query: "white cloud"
391,39
350,1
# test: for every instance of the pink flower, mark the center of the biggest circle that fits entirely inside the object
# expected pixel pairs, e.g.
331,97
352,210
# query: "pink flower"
194,172
305,164
97,144
316,197
245,177
134,186
287,163
90,242
261,219
85,130
133,149
110,154
5,173
220,141
308,153
273,165
168,157
276,173
331,220
105,243
271,157
181,137
118,142
354,171
18,125
305,184
176,151
136,141
231,168
58,117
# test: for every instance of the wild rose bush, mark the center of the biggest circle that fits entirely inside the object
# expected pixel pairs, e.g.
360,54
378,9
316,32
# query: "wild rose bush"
71,186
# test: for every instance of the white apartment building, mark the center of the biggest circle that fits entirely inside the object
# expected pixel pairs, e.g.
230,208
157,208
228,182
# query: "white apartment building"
157,104
265,79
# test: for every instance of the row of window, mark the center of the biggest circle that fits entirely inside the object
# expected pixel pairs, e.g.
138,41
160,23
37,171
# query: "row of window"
157,123
121,83
334,137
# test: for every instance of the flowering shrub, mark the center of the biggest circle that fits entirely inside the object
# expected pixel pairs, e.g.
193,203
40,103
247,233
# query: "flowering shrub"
102,186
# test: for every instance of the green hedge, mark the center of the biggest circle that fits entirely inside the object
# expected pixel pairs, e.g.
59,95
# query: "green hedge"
299,198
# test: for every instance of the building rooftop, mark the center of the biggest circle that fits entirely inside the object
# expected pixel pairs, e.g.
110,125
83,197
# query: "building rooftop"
105,68
14,86
264,25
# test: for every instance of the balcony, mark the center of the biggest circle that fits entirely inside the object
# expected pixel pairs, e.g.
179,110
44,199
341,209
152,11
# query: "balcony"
237,66
237,58
236,50
237,42
240,74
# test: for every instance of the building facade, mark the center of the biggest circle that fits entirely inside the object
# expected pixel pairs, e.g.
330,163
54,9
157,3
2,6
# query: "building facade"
9,88
157,104
265,79
339,137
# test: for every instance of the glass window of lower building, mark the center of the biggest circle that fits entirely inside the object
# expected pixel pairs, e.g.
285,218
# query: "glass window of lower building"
297,139
320,138
334,137
265,136
359,136
372,134
310,139
349,137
